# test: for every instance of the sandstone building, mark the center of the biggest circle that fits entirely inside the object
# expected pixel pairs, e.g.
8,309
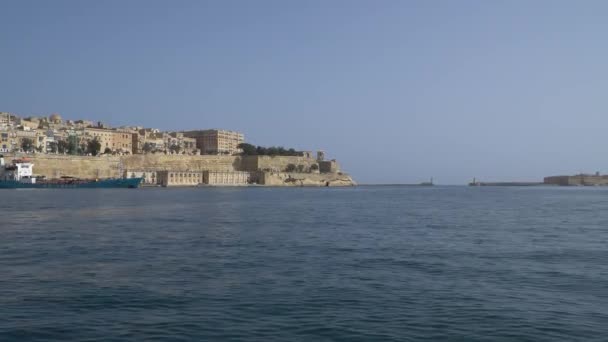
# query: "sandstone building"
104,136
179,143
227,177
115,140
217,141
5,119
5,142
122,141
179,178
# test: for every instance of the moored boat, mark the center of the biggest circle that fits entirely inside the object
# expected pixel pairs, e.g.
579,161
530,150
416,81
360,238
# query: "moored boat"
19,175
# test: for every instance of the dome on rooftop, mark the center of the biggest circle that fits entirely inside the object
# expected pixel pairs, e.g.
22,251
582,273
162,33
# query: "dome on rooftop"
55,118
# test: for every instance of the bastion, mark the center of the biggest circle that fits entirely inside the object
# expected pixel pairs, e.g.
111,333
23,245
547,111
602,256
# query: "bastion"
263,170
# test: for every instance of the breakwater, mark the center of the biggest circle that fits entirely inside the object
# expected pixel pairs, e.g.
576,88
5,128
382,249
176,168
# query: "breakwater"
506,183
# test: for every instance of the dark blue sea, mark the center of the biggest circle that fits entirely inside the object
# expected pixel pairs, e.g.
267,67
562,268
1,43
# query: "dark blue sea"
383,263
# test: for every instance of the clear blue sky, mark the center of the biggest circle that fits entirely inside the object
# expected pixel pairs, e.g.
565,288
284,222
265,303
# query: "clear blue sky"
398,91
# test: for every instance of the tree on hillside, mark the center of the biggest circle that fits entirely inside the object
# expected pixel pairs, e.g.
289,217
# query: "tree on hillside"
260,151
54,146
27,144
252,150
273,151
148,147
63,146
93,146
107,150
73,147
174,149
248,149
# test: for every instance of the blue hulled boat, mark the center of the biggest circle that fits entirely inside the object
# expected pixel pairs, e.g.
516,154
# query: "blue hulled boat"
19,175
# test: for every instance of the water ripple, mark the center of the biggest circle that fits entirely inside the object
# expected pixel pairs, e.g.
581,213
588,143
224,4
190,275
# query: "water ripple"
362,264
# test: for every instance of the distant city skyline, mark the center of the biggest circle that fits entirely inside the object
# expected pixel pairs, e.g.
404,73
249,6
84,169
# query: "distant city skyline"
54,134
397,91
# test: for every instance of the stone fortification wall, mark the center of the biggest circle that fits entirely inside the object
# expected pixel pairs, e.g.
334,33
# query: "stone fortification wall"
280,163
329,166
557,180
159,162
305,179
55,166
578,180
248,163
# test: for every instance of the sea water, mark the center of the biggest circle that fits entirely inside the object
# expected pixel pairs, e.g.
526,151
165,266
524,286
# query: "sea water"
384,263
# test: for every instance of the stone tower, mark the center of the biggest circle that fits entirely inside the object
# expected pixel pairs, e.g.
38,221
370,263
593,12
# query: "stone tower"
320,155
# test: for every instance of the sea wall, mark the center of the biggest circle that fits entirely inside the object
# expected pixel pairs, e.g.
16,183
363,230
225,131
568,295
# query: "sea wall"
280,163
55,166
162,162
215,163
249,163
273,169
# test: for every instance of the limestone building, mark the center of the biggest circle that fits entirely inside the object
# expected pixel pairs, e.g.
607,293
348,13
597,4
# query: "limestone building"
217,141
179,178
177,142
227,177
116,141
5,141
29,123
122,141
104,136
46,141
148,140
17,137
5,119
